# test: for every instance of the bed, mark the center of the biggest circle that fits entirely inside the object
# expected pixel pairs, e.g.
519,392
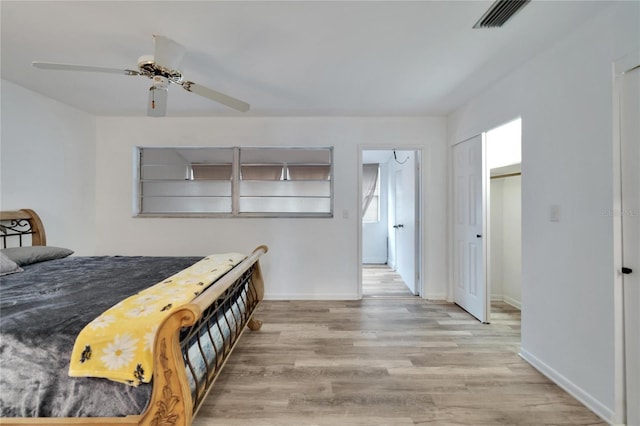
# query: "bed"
46,303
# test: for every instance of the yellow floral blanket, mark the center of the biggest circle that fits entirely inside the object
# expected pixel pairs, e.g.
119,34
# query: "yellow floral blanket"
118,345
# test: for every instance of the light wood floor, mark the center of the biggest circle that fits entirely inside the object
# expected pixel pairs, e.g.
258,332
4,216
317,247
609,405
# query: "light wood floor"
382,281
384,362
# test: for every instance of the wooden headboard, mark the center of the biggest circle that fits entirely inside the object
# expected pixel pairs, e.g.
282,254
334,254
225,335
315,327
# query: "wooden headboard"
19,223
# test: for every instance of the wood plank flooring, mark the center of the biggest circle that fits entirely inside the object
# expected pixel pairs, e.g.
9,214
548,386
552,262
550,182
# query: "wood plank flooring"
382,281
384,362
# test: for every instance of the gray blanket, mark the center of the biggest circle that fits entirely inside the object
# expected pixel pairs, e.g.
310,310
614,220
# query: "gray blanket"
43,309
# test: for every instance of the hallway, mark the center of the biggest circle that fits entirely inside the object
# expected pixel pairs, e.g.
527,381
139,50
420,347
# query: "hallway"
380,281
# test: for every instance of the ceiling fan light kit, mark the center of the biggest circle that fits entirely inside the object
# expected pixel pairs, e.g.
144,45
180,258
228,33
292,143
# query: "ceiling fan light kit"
162,69
160,82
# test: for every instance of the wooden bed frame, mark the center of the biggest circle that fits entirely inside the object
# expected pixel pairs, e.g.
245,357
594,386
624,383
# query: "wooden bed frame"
171,400
20,223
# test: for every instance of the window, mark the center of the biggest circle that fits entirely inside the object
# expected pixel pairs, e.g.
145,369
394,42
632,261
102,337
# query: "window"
285,180
263,182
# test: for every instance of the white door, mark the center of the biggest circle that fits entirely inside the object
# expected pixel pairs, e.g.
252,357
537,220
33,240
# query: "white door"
405,224
469,249
630,161
398,226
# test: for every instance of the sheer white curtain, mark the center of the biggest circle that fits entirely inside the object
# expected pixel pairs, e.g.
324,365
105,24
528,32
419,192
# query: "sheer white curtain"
369,180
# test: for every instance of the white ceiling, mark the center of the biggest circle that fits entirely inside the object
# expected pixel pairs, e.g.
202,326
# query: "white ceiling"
284,58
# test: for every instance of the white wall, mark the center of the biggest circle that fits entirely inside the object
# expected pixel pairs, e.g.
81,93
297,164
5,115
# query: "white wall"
496,244
308,258
565,99
512,241
506,240
47,164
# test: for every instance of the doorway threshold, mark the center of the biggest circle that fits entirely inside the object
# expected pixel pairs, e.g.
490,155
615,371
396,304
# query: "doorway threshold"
382,282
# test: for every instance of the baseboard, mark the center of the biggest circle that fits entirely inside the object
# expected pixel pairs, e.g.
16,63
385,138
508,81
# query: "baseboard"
506,299
513,302
374,261
334,296
585,398
307,296
436,296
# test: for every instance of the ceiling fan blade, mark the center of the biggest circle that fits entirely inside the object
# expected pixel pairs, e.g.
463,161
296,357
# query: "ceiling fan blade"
167,53
84,68
157,103
216,96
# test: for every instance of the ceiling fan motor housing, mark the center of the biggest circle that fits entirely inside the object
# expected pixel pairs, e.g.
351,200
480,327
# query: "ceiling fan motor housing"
149,68
145,60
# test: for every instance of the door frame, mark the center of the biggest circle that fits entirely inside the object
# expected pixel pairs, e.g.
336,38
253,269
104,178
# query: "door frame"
619,68
419,213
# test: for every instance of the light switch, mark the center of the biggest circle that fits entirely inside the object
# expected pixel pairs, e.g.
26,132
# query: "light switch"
554,213
345,214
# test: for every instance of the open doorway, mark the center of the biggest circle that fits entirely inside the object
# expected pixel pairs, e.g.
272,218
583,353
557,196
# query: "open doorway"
478,248
390,228
503,145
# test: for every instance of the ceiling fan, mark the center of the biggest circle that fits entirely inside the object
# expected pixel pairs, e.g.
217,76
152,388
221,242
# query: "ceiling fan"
161,68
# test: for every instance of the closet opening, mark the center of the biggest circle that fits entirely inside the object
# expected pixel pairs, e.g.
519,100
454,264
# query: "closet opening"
504,159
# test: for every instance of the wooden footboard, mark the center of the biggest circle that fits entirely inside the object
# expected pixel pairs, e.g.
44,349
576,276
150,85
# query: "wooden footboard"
173,401
208,328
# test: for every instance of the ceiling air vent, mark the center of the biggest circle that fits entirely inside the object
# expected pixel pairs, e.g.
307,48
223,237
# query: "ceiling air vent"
500,12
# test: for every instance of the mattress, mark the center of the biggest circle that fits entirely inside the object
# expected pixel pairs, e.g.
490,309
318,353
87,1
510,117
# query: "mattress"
42,310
